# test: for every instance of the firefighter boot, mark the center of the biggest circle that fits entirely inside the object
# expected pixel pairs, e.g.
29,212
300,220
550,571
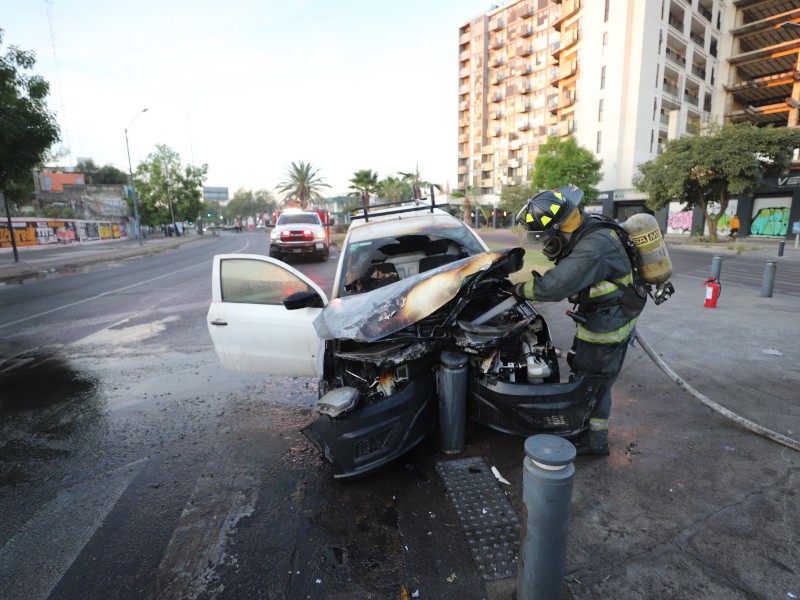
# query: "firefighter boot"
592,443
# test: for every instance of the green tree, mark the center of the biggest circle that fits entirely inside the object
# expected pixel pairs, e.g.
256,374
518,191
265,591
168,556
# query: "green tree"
393,189
169,191
512,199
364,183
247,203
106,174
727,160
303,184
564,162
27,128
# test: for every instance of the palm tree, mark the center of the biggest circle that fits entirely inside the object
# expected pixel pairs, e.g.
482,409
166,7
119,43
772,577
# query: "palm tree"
468,194
302,184
364,182
418,185
392,189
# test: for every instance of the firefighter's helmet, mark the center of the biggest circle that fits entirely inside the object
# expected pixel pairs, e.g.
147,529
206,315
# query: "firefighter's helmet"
550,214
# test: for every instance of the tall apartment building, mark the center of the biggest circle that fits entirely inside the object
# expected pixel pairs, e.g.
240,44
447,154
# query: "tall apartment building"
622,77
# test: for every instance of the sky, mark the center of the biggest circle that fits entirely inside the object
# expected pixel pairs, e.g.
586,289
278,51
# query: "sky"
250,86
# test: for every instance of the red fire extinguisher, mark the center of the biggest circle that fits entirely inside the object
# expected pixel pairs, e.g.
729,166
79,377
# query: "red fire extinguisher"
713,289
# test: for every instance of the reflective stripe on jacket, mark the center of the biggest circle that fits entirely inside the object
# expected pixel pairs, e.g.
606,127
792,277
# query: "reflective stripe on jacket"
598,256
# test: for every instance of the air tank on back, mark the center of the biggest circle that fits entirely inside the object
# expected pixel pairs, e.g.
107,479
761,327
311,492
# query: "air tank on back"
656,267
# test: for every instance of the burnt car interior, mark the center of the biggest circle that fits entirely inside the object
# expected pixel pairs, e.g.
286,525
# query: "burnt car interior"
384,261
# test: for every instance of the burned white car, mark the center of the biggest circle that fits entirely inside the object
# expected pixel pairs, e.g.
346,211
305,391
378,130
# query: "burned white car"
411,283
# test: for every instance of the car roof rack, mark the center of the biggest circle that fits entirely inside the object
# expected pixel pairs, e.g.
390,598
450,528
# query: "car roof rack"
397,207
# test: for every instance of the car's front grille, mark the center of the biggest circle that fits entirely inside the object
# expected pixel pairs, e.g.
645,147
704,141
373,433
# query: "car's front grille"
371,444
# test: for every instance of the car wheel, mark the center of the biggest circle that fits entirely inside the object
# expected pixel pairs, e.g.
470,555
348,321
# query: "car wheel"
324,256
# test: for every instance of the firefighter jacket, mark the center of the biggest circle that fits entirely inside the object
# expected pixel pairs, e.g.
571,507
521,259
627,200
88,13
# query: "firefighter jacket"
598,255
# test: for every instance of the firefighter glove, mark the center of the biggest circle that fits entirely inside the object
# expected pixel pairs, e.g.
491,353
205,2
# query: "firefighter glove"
524,291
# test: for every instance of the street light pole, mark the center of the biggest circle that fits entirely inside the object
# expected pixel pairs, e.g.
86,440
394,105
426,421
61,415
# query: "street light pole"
133,186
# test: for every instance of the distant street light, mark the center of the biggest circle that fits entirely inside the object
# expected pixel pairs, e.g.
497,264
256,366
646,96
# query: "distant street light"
133,186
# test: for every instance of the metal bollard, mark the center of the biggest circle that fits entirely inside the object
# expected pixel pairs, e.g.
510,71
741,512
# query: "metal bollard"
781,246
716,266
547,474
768,281
452,401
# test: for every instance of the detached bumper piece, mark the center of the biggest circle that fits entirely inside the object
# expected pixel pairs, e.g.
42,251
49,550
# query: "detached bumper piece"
368,438
519,409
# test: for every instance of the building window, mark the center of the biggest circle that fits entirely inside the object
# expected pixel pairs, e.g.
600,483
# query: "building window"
599,142
603,78
658,69
600,110
655,108
605,43
652,139
605,13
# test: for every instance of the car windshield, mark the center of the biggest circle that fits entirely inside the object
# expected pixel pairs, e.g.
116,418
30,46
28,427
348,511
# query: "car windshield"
299,219
369,264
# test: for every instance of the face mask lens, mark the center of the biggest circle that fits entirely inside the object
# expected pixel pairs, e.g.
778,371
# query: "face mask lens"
552,248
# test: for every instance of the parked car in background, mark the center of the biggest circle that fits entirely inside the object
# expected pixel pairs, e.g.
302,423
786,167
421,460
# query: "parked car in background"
413,284
299,233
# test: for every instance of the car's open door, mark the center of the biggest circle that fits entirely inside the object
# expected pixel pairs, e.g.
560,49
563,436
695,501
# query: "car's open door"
251,328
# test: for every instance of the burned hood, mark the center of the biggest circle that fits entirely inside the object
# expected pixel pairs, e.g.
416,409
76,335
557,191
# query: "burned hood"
373,315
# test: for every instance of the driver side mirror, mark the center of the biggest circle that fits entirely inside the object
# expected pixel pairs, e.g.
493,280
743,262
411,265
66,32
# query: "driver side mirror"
308,299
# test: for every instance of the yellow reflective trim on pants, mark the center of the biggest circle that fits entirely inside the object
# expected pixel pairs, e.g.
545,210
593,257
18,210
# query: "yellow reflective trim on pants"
598,424
609,337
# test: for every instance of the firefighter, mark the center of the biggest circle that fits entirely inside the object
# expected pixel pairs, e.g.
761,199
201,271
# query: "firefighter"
585,259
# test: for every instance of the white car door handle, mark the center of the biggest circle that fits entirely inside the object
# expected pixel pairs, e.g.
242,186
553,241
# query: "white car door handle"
219,322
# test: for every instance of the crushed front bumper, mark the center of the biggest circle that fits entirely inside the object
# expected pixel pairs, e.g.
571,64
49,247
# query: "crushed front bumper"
528,409
366,439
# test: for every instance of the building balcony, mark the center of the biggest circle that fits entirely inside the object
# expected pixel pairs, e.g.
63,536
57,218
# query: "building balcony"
691,99
676,58
524,50
670,88
676,23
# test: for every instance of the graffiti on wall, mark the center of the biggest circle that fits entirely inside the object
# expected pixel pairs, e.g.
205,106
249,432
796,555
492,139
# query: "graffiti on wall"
45,232
678,220
771,221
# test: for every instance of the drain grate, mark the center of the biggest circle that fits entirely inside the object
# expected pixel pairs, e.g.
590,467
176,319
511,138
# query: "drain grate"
487,518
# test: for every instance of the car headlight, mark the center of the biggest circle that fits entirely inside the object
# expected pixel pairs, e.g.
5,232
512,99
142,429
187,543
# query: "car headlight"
338,402
273,235
320,235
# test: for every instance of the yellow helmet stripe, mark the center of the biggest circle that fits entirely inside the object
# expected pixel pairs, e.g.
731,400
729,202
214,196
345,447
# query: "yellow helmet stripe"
545,220
554,208
529,218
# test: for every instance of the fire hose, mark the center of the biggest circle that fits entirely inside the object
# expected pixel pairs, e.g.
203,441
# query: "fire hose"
754,427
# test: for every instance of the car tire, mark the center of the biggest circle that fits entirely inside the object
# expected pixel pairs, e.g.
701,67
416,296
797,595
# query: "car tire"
323,257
